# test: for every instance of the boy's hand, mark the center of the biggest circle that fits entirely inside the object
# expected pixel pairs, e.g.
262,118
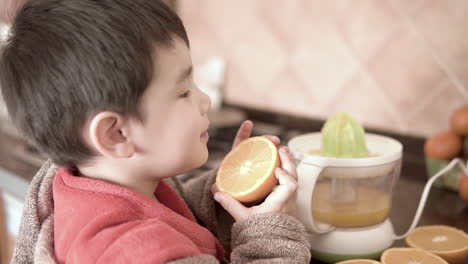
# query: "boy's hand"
281,200
245,131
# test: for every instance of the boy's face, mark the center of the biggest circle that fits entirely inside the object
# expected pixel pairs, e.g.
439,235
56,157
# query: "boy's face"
173,138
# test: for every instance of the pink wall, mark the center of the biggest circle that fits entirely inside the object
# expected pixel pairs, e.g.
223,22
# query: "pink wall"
394,64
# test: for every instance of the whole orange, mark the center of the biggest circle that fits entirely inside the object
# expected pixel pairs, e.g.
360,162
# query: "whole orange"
459,121
445,146
463,187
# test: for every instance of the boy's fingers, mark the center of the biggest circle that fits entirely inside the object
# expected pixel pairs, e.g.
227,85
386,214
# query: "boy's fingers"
283,192
287,162
273,139
231,205
244,132
286,180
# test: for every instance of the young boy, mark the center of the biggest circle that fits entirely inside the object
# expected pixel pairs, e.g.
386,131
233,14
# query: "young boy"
105,89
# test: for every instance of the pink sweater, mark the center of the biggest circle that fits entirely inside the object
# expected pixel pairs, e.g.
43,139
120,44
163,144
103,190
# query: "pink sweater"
99,222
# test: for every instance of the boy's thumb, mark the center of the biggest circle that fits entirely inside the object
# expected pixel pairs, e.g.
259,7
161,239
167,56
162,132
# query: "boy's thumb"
231,205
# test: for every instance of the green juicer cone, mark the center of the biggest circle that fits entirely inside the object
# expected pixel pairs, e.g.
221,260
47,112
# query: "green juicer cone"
343,137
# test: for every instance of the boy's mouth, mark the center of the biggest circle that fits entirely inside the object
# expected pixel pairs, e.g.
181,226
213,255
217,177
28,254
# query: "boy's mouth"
205,134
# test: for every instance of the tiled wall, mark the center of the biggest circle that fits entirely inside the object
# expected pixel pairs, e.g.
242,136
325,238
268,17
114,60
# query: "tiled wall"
399,65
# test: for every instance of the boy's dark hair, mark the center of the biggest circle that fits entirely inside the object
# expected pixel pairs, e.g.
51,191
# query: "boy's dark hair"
66,60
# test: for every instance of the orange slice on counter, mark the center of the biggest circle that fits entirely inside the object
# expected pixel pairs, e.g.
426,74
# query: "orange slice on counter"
447,242
410,256
247,173
359,261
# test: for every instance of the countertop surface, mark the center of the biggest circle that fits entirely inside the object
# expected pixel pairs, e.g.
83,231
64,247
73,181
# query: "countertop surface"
444,207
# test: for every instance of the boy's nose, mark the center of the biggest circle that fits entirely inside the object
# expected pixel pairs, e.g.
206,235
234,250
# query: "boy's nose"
205,103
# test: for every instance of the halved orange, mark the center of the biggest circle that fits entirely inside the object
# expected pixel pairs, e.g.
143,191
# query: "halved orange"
247,173
359,261
410,256
447,242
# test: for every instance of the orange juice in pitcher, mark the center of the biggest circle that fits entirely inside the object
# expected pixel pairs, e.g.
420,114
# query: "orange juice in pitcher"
368,206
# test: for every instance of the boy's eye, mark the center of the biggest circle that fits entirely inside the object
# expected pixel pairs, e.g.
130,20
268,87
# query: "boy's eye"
186,94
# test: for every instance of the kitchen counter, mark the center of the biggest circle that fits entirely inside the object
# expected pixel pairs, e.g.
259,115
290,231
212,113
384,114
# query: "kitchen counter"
443,206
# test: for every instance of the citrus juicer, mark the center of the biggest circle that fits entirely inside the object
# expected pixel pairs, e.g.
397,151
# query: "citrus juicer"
344,203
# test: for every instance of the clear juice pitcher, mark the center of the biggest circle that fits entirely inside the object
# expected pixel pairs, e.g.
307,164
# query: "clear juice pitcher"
345,192
344,203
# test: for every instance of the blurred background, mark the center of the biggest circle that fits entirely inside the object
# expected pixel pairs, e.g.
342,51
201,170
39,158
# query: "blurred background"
399,67
395,65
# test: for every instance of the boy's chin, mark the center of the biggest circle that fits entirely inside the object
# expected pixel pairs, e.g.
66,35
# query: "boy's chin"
196,163
203,160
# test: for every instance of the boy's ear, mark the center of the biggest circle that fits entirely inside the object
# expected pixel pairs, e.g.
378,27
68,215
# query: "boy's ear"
108,135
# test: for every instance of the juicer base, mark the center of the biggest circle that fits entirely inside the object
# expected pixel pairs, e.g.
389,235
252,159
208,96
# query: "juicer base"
351,243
